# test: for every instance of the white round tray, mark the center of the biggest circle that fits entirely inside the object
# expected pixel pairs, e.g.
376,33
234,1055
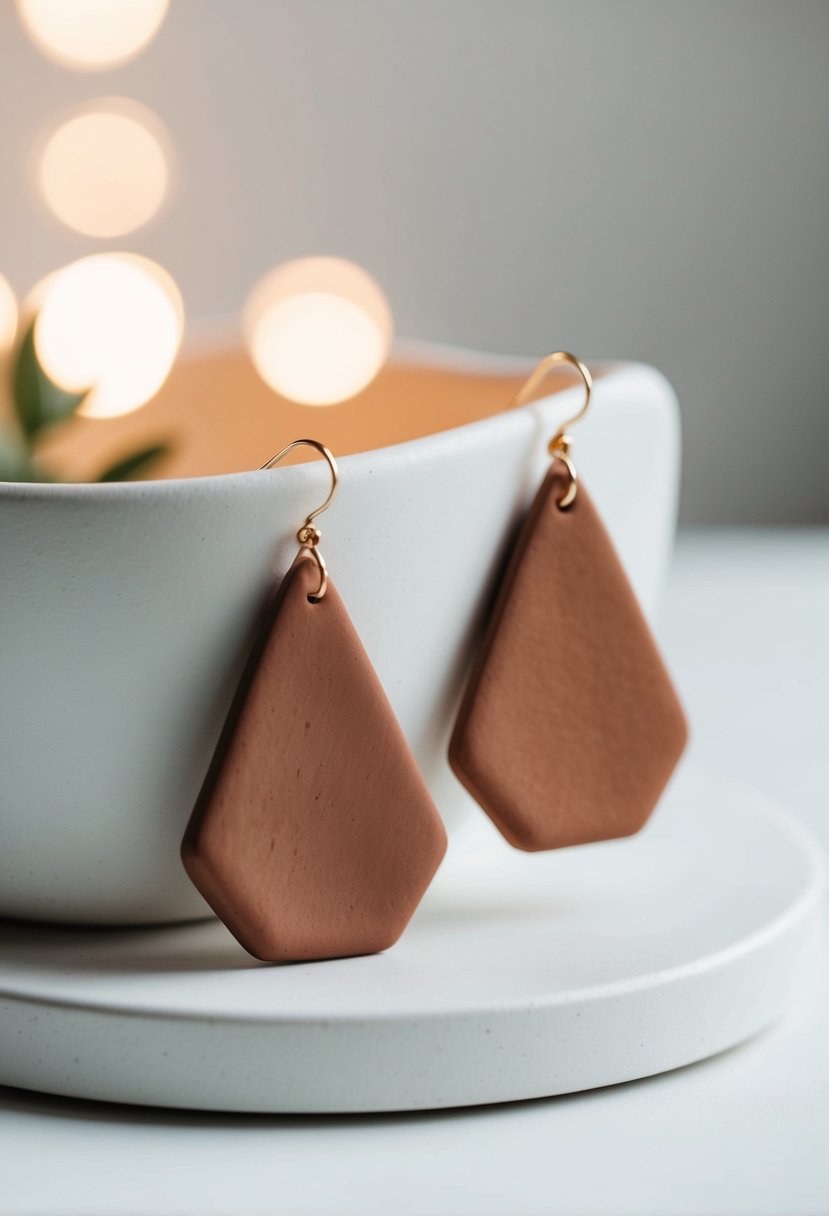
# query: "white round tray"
520,976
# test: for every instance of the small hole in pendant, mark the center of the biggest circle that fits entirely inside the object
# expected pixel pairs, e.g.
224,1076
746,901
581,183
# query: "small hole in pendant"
313,599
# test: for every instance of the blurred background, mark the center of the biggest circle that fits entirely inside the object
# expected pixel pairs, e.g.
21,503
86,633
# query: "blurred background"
647,180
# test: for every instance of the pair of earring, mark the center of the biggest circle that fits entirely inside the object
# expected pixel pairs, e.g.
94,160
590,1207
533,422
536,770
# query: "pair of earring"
314,835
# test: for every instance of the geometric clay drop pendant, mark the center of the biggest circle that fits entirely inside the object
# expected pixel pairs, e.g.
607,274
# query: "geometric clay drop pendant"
570,727
314,835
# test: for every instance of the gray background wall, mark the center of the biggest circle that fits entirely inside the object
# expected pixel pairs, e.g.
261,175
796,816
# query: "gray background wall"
641,179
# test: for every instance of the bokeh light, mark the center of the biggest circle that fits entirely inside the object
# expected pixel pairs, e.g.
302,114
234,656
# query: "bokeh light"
113,323
104,172
318,329
91,35
8,315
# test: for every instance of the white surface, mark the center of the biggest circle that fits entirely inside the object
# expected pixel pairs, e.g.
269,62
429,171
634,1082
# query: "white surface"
519,977
126,612
744,1133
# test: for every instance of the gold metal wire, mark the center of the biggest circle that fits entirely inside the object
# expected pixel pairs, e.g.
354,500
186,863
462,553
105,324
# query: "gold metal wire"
559,446
308,536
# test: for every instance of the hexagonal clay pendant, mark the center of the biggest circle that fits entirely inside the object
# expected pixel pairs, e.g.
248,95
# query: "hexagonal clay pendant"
314,835
570,726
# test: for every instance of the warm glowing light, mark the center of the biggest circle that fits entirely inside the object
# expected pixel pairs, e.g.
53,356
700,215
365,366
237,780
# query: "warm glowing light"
92,34
8,315
104,172
318,329
112,322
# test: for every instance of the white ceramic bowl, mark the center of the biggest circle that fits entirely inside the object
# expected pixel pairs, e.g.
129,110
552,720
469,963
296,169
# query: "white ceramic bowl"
126,610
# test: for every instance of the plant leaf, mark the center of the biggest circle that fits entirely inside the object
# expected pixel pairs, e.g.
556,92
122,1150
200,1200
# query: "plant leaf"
16,463
135,465
39,402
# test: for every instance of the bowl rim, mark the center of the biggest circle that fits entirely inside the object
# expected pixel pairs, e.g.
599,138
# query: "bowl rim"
428,354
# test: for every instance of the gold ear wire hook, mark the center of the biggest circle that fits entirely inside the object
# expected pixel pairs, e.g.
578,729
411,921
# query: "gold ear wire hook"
559,446
308,536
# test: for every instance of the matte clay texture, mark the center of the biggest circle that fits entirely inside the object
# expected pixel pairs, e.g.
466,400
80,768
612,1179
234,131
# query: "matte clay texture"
314,835
570,726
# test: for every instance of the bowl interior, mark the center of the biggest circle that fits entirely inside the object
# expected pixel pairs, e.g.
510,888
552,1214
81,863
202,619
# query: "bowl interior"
220,417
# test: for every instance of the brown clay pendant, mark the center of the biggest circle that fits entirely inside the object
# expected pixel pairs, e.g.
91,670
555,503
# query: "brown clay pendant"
314,835
570,726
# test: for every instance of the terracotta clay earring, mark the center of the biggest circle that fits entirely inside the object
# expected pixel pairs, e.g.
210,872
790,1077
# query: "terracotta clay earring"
570,726
314,835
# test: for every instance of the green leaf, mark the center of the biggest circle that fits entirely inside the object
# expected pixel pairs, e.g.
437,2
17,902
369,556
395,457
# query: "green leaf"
39,402
136,465
15,461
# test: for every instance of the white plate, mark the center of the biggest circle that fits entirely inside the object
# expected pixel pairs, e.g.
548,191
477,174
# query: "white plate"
521,976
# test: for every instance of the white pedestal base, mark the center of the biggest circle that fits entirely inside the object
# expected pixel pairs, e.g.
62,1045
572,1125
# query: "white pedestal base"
521,976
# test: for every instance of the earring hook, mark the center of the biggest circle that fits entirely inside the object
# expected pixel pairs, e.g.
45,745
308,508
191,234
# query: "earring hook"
308,536
559,446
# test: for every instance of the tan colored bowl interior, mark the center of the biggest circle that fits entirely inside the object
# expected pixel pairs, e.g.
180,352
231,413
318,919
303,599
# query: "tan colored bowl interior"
221,418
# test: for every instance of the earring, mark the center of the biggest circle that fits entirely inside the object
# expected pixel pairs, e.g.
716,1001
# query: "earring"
314,835
570,726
